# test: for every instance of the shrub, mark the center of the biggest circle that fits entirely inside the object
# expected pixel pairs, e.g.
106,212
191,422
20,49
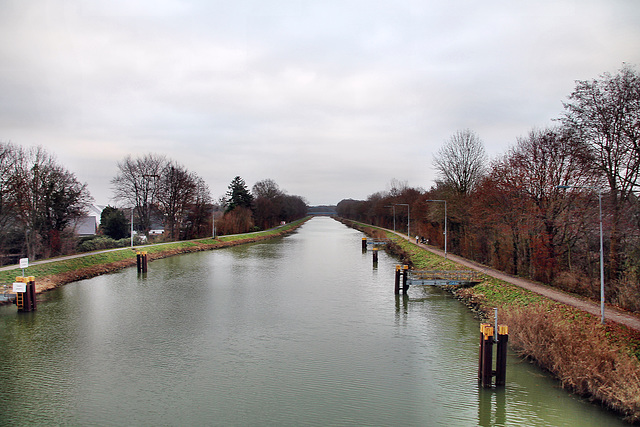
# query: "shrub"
236,221
624,294
101,242
576,283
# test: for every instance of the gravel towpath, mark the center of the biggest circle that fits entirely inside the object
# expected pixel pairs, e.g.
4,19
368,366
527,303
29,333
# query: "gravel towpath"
611,313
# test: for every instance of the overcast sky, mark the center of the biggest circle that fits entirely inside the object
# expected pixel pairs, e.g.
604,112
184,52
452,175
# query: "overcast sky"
331,99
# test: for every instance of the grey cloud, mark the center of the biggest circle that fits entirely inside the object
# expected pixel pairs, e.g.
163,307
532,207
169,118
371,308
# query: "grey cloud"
327,98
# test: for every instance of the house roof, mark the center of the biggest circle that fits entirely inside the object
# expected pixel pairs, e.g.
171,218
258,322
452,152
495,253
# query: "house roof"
96,211
86,226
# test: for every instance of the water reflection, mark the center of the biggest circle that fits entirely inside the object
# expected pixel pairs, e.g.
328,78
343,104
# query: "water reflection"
295,331
492,407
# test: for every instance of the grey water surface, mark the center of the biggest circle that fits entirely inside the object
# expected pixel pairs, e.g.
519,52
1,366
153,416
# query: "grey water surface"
296,331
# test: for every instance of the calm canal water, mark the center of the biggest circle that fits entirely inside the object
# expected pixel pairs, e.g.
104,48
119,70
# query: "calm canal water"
296,331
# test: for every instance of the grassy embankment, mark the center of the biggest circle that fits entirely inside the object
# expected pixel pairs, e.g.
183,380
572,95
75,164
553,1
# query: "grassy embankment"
57,273
599,362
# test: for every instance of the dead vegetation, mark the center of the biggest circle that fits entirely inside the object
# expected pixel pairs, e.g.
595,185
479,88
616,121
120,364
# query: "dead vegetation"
577,350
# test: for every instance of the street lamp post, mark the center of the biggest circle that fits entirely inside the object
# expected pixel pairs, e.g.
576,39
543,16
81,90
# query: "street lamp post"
601,245
213,222
394,216
445,224
150,204
132,226
408,217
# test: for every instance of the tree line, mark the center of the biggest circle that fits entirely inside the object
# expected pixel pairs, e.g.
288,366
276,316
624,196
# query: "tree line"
41,204
265,206
163,194
535,210
166,193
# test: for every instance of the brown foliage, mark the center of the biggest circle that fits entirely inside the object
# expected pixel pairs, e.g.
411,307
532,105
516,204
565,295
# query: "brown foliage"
239,220
576,283
625,294
536,214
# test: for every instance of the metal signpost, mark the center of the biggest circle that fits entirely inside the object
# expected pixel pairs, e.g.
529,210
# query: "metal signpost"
445,225
24,263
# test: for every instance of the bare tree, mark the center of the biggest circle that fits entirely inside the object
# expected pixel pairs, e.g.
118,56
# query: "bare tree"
530,175
605,113
138,183
396,187
8,203
201,210
7,199
153,183
48,198
267,188
268,202
176,191
461,162
273,205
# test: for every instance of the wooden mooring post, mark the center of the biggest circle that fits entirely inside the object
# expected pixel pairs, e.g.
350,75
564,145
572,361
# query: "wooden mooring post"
375,256
396,288
26,295
501,355
142,261
485,362
405,276
401,271
364,244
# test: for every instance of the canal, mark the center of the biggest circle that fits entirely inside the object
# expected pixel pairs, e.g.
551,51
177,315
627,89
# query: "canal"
299,330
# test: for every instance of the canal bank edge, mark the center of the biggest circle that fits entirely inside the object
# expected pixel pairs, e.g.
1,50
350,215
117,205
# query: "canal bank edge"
55,273
598,362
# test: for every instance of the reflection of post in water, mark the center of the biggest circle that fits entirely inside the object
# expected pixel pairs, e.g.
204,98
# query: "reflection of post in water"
402,310
501,403
484,408
492,407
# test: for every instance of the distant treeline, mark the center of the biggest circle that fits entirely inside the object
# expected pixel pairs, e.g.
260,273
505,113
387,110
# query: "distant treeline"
265,206
323,209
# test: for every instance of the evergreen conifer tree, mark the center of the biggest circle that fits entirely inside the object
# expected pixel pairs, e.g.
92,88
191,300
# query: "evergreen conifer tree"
238,195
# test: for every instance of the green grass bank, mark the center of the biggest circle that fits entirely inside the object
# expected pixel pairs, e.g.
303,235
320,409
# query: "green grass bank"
57,273
598,362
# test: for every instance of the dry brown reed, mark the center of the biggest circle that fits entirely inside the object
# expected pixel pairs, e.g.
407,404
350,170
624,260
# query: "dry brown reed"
574,347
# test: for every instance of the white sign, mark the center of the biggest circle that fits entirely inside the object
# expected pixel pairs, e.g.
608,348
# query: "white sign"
24,262
19,287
